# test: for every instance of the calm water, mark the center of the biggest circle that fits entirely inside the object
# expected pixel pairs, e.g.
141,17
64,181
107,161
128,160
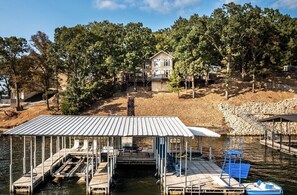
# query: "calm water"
266,164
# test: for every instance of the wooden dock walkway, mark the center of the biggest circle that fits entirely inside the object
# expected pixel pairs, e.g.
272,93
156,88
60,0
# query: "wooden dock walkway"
203,177
24,185
282,148
99,183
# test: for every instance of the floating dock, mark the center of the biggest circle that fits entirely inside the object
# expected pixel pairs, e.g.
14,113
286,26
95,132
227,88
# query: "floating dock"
202,177
99,182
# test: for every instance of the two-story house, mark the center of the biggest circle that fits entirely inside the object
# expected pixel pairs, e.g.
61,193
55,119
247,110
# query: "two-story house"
159,70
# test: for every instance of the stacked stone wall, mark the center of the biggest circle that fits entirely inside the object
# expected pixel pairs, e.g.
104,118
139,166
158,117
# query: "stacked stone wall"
243,120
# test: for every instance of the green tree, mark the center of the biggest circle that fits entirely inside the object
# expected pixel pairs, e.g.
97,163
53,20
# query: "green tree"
174,82
139,45
13,53
45,64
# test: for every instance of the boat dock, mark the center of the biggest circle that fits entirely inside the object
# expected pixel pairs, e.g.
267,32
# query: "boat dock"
95,147
202,177
32,180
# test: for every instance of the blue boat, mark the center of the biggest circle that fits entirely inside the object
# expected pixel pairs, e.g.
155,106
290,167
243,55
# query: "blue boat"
262,188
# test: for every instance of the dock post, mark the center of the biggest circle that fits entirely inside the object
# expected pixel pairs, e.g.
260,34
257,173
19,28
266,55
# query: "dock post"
69,140
93,143
51,152
87,170
186,164
190,149
281,134
210,150
165,171
34,151
64,146
180,157
108,173
175,149
31,165
24,158
201,145
273,134
58,146
42,157
10,167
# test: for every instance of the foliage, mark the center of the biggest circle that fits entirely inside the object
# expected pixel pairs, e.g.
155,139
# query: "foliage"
174,82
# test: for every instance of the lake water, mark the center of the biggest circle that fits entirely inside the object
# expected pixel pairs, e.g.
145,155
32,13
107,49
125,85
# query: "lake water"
266,164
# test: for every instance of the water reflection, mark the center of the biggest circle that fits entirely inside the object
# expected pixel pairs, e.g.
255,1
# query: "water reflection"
266,164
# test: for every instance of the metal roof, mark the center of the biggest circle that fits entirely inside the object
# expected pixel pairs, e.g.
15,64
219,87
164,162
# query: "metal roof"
281,118
203,132
66,125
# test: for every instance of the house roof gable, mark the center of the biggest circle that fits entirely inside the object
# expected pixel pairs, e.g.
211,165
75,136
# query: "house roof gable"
160,53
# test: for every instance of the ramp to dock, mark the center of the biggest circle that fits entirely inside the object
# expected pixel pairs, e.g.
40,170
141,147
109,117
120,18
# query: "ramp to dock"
99,183
202,177
23,184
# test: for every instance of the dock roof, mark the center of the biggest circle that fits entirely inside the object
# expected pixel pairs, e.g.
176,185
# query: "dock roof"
203,132
67,125
281,118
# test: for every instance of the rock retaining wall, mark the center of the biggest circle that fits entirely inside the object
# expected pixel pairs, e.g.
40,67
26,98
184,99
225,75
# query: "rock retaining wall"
243,119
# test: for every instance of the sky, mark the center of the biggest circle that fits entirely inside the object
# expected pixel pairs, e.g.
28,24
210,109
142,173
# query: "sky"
23,18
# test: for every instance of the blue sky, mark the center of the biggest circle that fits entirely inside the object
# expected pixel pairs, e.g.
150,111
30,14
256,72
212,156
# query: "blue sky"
23,18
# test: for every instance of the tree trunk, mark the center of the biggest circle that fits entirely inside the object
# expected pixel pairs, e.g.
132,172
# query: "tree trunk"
18,105
46,100
193,87
57,93
206,79
227,78
254,81
135,84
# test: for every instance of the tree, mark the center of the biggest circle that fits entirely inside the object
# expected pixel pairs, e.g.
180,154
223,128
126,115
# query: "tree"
139,45
44,62
174,82
13,53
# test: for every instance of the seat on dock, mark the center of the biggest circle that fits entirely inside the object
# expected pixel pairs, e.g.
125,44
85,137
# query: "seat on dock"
76,144
94,145
85,146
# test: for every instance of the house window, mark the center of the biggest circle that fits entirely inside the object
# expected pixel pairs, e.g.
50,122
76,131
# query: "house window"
167,73
157,62
166,62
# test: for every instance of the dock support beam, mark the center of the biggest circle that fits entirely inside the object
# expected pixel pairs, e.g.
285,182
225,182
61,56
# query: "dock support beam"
87,170
186,164
42,156
24,158
31,164
180,157
10,167
34,151
51,152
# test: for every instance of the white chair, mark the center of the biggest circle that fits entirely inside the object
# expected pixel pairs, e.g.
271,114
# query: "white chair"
76,144
85,146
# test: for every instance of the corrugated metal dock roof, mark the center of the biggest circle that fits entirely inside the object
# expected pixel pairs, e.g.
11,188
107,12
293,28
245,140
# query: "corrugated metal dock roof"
203,132
65,125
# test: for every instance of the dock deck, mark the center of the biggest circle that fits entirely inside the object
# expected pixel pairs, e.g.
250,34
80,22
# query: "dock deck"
203,177
23,184
282,148
99,183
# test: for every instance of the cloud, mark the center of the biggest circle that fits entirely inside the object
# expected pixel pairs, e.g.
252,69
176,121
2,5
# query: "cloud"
165,6
161,6
289,4
109,4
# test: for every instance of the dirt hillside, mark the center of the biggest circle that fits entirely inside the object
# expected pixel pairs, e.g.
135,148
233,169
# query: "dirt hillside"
201,111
